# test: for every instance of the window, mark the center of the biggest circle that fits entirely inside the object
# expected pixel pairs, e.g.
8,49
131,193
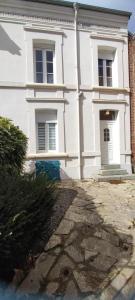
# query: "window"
46,136
44,66
106,135
46,131
105,72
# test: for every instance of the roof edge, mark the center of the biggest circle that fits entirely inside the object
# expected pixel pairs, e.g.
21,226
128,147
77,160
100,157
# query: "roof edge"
83,6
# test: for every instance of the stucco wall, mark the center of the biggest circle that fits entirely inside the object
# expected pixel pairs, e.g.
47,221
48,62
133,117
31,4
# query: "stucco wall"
20,97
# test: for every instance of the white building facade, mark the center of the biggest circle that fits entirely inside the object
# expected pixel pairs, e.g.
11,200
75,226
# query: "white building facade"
64,81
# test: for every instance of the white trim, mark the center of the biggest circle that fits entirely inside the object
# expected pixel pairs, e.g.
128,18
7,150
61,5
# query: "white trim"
46,155
111,89
109,101
108,37
34,99
91,154
45,85
43,29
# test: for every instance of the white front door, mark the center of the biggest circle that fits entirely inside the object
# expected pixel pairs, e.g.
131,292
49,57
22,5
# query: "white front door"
109,142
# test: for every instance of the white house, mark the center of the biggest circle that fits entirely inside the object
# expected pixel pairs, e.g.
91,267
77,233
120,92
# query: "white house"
64,81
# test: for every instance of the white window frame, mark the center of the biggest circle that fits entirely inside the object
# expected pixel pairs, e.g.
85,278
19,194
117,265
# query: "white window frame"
105,72
47,150
44,50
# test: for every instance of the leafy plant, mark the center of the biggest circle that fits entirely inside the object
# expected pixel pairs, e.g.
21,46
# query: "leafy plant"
26,203
13,145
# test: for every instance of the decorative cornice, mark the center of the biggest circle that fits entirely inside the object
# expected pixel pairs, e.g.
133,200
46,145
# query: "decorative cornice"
24,19
46,21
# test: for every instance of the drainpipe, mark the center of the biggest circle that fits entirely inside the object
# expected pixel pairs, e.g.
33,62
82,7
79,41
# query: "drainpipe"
78,94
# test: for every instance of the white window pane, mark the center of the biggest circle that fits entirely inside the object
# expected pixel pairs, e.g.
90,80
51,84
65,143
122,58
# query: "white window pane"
41,136
39,55
101,81
39,66
49,56
52,136
49,78
50,68
109,81
39,77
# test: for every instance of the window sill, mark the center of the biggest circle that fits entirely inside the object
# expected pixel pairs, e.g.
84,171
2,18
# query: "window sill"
110,89
45,86
117,101
46,155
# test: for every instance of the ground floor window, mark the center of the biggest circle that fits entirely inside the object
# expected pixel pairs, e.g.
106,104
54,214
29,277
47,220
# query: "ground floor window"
46,123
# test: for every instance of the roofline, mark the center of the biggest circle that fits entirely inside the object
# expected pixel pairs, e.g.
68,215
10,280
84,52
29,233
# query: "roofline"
83,6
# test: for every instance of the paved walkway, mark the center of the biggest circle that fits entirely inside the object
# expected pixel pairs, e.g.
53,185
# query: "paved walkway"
92,253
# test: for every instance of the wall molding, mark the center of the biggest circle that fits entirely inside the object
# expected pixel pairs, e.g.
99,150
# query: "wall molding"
111,89
12,85
35,99
45,86
110,101
108,37
43,29
31,156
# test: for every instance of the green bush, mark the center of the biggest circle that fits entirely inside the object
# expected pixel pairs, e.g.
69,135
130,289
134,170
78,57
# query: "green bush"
13,145
25,205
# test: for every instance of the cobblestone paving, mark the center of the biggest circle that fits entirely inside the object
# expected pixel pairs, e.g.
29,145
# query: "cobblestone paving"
91,255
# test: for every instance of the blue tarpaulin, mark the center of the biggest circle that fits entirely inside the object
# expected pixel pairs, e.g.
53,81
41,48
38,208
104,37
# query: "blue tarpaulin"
51,168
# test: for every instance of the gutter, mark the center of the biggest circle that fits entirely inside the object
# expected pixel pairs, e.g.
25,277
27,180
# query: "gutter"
78,94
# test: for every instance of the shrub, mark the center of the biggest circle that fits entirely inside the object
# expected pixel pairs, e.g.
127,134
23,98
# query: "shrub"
25,205
13,145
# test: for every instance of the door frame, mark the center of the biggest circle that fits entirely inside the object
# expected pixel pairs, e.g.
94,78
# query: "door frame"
114,118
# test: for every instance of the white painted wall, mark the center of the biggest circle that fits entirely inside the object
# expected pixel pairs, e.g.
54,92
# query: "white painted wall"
23,24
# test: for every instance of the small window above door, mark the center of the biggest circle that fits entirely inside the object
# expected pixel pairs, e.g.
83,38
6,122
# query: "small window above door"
109,115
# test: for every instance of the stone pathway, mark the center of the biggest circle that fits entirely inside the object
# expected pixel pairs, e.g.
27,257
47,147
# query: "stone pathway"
91,255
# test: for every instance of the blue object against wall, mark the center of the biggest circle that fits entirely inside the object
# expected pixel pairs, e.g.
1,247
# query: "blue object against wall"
51,168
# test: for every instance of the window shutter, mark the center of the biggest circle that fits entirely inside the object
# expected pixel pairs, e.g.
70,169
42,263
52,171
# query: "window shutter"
41,136
52,136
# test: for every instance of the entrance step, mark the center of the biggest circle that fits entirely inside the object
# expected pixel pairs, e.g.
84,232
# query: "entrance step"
110,167
112,172
114,178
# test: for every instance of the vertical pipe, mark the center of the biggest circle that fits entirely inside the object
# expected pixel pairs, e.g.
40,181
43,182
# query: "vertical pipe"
77,85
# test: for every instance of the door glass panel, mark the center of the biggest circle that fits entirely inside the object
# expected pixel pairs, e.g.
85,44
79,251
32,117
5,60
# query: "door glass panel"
106,135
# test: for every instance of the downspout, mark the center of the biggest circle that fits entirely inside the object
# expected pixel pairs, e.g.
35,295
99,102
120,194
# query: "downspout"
77,86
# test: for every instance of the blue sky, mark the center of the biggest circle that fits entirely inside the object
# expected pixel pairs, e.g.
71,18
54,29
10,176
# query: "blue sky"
127,5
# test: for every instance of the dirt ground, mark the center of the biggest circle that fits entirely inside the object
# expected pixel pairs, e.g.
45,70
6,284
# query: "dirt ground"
91,255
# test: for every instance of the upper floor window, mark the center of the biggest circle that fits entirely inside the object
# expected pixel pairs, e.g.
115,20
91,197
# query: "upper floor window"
105,72
44,66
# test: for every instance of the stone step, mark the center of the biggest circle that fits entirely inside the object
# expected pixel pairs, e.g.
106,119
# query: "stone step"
114,178
108,167
111,172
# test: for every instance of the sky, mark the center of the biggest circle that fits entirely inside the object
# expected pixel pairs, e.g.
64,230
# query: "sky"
127,5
